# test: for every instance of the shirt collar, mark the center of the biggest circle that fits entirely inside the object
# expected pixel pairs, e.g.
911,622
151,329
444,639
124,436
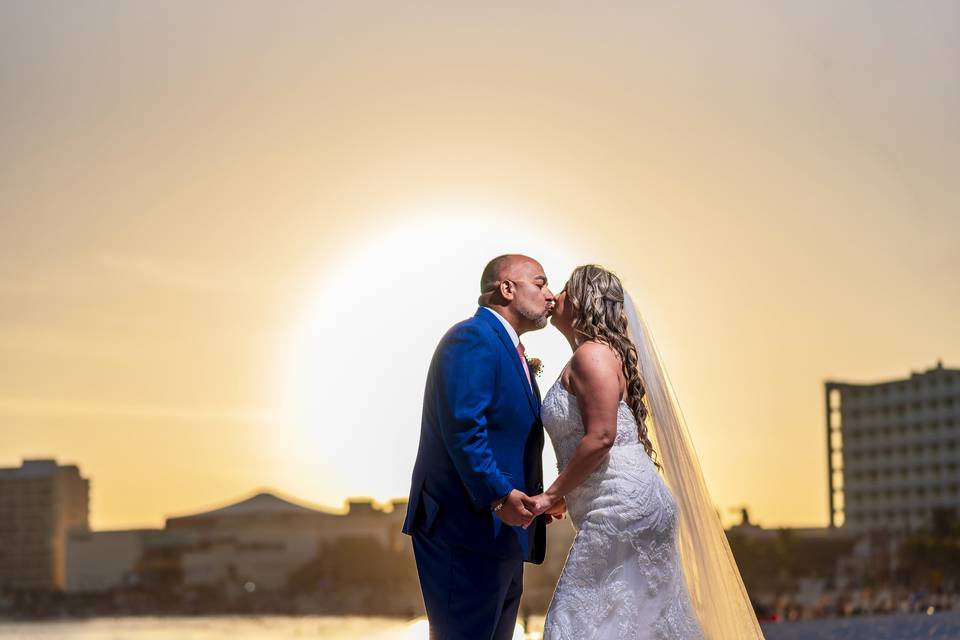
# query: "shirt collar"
506,325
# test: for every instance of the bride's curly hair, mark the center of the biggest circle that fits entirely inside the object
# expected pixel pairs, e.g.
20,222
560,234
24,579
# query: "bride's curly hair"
598,315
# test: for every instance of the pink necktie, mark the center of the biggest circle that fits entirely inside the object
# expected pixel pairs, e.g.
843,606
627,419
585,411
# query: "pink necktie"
523,359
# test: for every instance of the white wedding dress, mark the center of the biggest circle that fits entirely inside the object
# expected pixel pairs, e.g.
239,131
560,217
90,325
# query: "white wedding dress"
623,576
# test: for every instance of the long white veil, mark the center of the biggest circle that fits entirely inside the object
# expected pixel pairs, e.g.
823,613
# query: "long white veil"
716,588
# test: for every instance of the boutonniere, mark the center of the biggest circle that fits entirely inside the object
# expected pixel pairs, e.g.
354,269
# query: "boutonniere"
535,366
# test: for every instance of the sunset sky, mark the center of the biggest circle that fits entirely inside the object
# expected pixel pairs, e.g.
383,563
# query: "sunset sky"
232,233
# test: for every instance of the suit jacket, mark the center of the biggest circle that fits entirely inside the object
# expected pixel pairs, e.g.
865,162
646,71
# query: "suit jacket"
480,437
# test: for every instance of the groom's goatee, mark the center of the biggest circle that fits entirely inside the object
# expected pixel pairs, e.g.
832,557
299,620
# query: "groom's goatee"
539,320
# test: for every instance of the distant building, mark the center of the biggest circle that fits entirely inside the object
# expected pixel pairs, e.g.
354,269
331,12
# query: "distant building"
252,545
258,541
40,501
893,452
104,560
749,531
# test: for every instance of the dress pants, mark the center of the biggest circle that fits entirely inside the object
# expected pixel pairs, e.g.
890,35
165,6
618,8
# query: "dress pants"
469,595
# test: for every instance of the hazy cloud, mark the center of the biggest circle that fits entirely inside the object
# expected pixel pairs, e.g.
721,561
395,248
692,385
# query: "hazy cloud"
56,408
190,276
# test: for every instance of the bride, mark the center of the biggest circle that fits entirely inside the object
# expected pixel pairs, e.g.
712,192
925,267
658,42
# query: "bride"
650,559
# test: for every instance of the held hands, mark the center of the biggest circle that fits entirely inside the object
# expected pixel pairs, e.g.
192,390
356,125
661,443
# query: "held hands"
552,506
514,511
519,509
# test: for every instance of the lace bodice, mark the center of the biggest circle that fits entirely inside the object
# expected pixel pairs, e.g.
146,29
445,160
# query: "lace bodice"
566,426
622,577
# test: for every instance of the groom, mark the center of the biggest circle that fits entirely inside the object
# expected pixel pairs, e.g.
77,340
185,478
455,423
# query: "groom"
479,458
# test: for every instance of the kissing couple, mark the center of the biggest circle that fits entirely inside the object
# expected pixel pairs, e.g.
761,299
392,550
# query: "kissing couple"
650,559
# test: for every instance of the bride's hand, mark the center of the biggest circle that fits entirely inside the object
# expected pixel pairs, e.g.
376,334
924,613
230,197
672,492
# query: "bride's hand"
557,509
537,504
544,503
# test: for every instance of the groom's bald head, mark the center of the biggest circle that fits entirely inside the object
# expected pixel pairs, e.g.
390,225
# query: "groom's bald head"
496,271
516,286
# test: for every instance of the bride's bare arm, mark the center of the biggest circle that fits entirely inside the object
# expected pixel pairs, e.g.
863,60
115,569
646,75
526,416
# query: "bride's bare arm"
595,380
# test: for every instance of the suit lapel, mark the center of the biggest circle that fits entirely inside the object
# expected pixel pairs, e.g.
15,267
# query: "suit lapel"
515,358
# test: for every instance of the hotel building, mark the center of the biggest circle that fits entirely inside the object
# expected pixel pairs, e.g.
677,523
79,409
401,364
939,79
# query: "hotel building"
893,452
40,501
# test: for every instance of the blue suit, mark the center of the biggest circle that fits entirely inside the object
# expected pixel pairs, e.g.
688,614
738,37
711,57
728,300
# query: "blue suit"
480,437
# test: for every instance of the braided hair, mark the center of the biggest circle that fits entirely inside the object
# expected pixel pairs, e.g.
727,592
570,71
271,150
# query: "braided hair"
598,303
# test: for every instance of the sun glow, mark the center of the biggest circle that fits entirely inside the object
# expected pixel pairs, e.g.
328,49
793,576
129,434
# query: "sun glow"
352,384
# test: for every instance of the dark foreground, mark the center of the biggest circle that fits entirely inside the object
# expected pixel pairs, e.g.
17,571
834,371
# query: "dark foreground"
939,626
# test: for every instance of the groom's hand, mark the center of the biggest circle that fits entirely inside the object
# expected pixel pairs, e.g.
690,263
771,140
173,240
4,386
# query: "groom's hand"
514,511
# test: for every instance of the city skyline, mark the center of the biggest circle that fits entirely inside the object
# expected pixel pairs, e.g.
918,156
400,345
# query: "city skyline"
390,504
230,241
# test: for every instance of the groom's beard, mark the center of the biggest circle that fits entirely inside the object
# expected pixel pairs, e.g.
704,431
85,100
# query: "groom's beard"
539,320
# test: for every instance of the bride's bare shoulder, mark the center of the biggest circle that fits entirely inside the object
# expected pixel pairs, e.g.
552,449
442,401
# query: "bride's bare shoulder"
594,375
594,358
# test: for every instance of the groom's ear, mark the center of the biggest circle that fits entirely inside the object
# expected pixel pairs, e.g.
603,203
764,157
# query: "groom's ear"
507,290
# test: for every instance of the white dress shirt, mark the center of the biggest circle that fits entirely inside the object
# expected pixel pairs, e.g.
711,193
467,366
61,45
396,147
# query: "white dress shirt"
506,325
516,341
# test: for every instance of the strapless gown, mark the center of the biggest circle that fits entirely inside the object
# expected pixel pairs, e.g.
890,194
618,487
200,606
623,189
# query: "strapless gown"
622,577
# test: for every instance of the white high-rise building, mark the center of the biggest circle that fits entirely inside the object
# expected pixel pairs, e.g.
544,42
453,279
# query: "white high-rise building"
893,452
